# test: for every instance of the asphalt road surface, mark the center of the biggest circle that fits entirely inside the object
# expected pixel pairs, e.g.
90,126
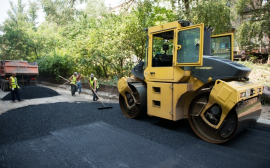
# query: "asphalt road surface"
79,135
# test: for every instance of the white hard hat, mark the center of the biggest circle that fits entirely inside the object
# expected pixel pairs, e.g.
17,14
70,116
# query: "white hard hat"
92,75
75,73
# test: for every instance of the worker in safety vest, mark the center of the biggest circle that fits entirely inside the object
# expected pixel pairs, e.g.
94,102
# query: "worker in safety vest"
94,85
72,80
78,83
13,85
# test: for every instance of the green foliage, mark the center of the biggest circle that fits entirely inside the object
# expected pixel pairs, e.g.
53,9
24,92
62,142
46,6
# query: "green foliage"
252,30
61,12
54,65
96,10
96,40
215,13
33,7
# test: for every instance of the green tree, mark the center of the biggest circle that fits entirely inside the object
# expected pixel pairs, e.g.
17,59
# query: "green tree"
32,12
60,11
96,8
14,40
251,31
214,13
54,65
145,15
95,40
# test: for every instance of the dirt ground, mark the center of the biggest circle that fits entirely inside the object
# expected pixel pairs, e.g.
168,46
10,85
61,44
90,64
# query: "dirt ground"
265,112
65,96
262,75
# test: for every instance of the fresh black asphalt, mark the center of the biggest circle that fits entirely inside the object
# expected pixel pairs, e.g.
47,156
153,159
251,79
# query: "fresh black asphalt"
79,135
33,92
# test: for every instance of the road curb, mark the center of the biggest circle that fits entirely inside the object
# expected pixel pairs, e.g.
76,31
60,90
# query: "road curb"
263,122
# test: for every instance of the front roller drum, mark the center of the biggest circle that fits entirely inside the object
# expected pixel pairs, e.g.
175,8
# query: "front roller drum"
139,107
239,118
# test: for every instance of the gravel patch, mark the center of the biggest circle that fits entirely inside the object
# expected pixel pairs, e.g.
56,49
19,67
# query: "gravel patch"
33,92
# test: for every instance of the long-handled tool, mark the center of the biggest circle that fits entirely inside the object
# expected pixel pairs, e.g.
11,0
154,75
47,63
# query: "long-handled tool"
68,81
100,108
111,90
63,78
61,85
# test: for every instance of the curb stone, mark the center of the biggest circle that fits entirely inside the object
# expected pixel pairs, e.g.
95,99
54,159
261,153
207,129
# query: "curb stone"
263,122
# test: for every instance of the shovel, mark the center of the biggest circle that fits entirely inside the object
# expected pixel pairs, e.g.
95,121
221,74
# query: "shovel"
100,108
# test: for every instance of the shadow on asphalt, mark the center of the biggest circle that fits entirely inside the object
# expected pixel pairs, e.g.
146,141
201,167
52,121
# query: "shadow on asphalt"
181,126
39,120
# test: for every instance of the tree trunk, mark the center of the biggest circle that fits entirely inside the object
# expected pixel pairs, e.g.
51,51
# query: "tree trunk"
187,5
36,53
104,68
105,72
121,65
268,62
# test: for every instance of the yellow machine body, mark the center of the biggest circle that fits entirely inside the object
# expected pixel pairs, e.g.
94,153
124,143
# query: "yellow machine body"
188,81
163,99
227,95
172,73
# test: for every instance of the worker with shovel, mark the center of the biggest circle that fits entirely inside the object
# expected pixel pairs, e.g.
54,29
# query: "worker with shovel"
94,86
13,84
93,83
73,80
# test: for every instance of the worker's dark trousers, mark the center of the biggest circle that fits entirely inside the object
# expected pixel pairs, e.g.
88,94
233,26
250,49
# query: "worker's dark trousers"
94,95
73,89
15,92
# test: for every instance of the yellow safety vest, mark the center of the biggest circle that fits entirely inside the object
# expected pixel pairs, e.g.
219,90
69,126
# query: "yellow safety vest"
14,83
73,80
92,82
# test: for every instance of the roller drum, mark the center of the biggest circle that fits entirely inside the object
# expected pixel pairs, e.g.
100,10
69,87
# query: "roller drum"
139,105
240,117
248,113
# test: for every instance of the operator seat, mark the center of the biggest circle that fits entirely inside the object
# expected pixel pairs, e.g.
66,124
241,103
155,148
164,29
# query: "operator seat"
162,60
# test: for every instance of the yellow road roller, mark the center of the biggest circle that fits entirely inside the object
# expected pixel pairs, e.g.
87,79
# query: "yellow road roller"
187,74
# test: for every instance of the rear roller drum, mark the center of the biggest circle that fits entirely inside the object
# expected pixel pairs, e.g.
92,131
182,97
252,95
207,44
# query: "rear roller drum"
206,132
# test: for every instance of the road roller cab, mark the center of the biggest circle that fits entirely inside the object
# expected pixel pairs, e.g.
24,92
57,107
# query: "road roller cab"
188,74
